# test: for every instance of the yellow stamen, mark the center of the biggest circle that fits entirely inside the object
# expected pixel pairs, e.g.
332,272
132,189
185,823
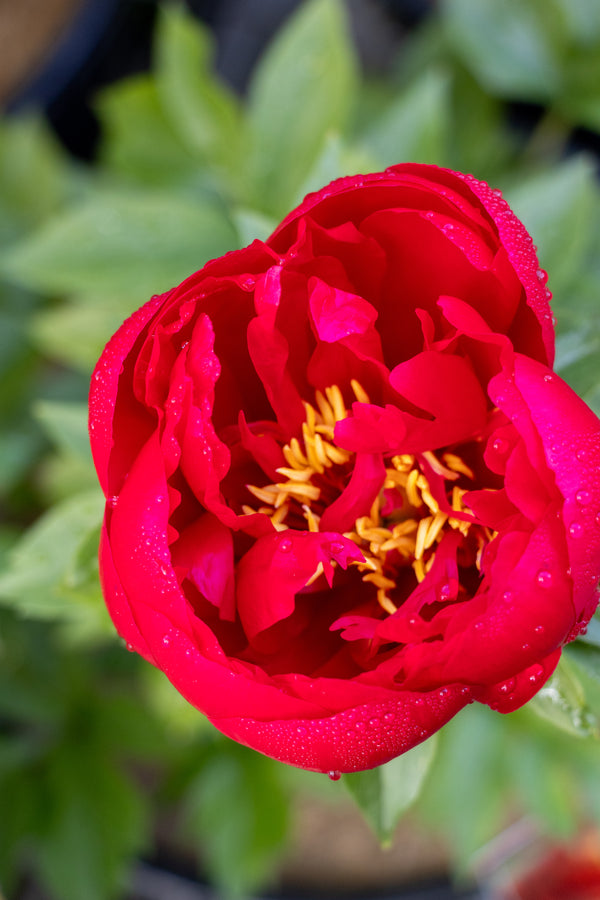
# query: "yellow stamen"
415,527
457,465
359,392
316,574
411,489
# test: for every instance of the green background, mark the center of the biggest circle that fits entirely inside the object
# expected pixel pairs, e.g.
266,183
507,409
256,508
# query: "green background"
96,748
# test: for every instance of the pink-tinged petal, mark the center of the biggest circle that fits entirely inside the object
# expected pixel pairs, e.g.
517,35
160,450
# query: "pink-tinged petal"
371,429
180,644
117,603
521,253
357,497
478,251
204,555
447,390
106,385
524,612
409,624
510,694
258,439
524,488
570,433
492,508
278,566
355,628
269,350
357,738
338,314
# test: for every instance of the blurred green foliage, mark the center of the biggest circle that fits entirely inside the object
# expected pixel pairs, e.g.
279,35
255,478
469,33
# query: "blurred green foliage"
95,747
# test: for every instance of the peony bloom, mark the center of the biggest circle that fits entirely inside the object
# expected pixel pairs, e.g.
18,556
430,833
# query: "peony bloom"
346,493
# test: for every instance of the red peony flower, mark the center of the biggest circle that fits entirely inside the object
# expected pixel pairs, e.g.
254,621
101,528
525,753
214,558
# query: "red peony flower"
346,493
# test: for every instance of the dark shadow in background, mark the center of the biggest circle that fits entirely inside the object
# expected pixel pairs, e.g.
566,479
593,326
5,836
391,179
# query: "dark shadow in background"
110,39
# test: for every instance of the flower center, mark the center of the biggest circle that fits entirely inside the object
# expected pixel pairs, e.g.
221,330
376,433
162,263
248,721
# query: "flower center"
405,523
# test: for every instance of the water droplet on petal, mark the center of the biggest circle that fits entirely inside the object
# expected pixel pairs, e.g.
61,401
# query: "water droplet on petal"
112,501
285,545
445,592
334,776
576,529
544,578
539,629
583,497
500,445
389,717
537,672
507,687
548,378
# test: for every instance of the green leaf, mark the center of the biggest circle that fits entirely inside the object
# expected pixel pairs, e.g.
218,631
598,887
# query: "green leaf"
75,333
66,424
582,18
302,90
237,810
562,702
385,793
506,45
557,208
52,571
95,823
252,225
33,175
336,160
415,126
138,139
132,244
202,111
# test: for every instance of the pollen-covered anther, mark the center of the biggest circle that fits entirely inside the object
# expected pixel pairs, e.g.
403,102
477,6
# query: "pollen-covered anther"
317,470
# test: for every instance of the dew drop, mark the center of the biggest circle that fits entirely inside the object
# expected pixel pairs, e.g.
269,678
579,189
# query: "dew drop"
583,497
336,548
374,723
301,729
575,529
539,629
500,445
525,647
507,596
507,687
112,501
536,673
548,378
285,545
445,592
130,647
389,717
166,640
544,578
334,776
